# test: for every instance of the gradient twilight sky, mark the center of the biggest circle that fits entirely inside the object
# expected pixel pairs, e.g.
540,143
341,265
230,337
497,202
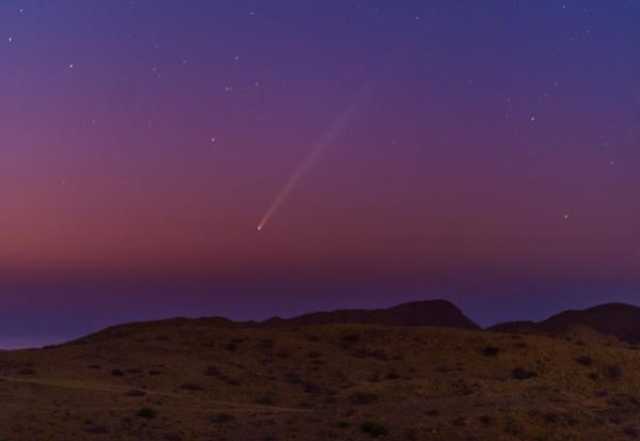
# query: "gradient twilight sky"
492,158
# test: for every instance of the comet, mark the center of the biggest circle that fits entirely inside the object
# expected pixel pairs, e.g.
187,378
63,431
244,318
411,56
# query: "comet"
336,129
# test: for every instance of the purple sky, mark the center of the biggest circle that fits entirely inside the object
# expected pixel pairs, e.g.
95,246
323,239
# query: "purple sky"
492,159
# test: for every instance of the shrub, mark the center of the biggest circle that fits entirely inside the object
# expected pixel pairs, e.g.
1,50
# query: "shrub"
632,431
97,429
522,374
117,372
350,338
585,360
393,375
486,420
411,434
614,372
362,398
343,424
212,371
191,387
147,412
266,400
222,418
374,429
491,351
293,378
136,393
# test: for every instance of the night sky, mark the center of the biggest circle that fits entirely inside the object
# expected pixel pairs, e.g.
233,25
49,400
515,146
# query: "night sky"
484,152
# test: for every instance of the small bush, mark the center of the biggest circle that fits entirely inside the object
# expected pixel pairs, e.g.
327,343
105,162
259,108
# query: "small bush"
222,418
486,420
411,434
136,393
393,375
584,360
191,387
212,371
350,338
293,378
117,372
147,412
97,429
632,431
614,372
343,424
523,374
362,398
459,422
266,400
373,429
491,351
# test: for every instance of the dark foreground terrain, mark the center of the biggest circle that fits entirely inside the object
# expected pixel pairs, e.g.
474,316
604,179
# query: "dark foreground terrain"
208,380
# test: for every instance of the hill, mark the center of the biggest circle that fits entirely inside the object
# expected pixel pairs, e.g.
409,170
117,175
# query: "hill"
209,379
425,313
614,319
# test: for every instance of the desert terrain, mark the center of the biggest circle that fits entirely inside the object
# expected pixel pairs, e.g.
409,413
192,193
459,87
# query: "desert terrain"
210,379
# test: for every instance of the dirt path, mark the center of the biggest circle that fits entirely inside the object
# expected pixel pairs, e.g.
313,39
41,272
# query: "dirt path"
121,390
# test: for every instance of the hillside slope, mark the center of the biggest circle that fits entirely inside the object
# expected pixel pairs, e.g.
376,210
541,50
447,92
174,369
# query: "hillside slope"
424,313
197,380
614,319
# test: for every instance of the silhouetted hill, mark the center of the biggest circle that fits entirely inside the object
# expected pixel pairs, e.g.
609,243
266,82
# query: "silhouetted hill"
620,320
212,379
425,313
616,319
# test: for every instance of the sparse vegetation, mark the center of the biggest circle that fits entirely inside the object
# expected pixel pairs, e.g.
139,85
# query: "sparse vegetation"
520,373
374,429
193,387
266,400
614,372
445,387
147,412
491,351
363,398
136,393
585,360
222,418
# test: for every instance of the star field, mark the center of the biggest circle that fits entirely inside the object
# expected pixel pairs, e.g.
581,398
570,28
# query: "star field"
143,141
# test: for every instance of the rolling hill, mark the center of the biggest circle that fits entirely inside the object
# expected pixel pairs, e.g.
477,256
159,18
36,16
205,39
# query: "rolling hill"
212,379
425,313
614,319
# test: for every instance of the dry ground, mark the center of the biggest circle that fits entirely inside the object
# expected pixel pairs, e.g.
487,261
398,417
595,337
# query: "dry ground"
191,380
